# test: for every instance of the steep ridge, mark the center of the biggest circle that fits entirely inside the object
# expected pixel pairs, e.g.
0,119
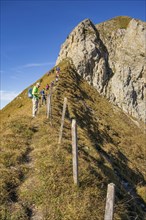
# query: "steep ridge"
37,178
111,57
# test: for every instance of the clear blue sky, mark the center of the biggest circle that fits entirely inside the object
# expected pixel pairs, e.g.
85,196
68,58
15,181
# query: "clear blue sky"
33,31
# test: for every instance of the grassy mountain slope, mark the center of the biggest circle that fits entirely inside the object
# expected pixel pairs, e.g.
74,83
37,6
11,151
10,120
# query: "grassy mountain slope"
107,27
119,22
36,181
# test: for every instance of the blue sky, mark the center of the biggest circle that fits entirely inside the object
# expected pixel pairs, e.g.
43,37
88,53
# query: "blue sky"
33,31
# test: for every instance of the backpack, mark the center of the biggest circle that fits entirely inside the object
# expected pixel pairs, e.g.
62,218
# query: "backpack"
30,93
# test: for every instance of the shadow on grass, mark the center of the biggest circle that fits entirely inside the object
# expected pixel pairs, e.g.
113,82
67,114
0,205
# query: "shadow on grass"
126,178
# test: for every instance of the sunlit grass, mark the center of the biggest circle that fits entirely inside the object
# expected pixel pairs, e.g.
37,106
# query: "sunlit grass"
37,172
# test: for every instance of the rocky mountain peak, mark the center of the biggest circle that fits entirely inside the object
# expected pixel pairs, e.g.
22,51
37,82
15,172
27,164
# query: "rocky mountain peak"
111,57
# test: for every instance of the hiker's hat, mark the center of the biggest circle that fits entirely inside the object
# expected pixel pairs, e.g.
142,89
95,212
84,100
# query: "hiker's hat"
38,84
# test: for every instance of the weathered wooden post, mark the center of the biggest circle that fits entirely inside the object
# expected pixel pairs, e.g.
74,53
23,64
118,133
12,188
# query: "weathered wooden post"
49,109
62,120
110,200
49,106
75,152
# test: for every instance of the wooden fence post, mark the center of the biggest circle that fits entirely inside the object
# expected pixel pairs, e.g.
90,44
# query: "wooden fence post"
75,152
62,120
49,106
110,199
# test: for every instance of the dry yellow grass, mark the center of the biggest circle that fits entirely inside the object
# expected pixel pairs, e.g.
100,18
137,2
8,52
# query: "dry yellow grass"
37,173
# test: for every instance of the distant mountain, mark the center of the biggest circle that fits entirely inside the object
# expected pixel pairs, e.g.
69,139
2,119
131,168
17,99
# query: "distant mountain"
36,172
111,57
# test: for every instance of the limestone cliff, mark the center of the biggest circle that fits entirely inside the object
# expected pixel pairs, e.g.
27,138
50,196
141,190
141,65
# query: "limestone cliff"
111,57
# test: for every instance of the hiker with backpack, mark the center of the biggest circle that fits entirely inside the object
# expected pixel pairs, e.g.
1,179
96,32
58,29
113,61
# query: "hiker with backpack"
43,96
35,99
47,86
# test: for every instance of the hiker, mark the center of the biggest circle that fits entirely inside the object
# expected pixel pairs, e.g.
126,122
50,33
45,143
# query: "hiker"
49,73
43,96
57,70
52,84
35,99
47,86
57,77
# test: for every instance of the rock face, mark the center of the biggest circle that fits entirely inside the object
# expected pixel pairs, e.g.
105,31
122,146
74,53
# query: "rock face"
111,57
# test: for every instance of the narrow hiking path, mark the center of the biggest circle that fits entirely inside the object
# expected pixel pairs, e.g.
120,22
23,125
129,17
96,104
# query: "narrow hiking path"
38,146
34,183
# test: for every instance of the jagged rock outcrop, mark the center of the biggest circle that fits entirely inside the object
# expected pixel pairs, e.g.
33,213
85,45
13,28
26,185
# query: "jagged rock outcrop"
111,57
